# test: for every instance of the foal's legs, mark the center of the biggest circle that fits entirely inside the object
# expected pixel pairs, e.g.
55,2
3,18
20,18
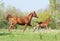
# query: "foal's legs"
46,27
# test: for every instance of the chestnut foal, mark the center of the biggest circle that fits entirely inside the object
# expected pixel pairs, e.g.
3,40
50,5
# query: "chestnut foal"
41,24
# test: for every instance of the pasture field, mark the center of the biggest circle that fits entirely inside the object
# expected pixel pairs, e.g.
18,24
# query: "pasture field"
28,35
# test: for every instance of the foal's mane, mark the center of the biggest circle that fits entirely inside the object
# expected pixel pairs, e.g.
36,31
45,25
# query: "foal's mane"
48,19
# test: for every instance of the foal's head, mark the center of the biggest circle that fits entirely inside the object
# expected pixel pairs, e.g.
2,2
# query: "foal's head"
34,14
48,20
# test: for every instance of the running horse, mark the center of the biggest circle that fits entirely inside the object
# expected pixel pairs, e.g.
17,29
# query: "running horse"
42,24
21,21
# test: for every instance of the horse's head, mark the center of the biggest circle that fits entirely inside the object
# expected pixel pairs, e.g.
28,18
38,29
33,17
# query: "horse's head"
7,18
34,14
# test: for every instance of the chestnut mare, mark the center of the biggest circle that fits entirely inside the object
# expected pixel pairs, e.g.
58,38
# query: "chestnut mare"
21,21
41,24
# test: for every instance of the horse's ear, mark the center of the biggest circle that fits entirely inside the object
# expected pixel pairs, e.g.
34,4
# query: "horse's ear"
34,11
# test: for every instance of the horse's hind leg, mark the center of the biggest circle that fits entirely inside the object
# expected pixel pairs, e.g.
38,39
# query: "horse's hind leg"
14,25
15,28
10,27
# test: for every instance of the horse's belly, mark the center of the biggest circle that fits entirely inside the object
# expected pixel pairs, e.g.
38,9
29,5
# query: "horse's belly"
20,21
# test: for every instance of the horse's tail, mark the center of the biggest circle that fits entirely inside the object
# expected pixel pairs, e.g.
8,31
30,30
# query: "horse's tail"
7,18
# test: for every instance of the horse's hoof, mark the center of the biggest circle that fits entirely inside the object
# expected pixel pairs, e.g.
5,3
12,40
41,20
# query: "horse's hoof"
8,30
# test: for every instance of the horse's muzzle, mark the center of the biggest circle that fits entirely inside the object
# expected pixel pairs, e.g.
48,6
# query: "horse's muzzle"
36,17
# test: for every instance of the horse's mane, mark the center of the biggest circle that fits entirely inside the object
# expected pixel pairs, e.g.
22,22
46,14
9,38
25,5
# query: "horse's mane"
30,13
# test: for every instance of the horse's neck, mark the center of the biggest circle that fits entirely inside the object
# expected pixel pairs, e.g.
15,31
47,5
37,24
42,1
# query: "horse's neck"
30,17
47,21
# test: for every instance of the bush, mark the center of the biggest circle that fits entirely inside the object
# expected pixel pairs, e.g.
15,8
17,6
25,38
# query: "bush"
3,24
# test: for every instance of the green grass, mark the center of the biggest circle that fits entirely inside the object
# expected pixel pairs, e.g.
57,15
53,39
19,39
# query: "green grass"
28,35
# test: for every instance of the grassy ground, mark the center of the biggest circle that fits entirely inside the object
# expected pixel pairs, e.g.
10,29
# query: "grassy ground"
28,35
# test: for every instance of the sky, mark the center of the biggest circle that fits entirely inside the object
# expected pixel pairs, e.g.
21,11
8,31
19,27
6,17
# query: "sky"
27,5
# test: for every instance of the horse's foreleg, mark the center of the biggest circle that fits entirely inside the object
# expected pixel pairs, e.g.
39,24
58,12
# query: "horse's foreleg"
14,25
38,27
34,28
25,27
31,26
